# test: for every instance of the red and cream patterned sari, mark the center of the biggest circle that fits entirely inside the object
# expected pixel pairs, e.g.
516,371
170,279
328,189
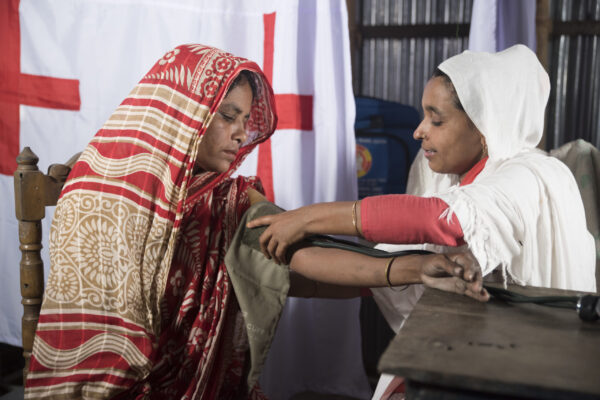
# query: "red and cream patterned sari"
138,303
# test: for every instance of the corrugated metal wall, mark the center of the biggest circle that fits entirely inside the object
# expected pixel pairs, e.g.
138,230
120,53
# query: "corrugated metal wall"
574,108
398,69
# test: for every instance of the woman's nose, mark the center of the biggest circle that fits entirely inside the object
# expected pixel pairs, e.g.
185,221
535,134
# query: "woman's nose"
419,133
240,134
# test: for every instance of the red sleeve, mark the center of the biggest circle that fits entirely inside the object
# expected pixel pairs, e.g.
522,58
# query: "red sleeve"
402,218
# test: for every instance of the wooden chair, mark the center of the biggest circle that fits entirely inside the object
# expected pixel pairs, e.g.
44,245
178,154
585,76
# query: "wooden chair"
34,190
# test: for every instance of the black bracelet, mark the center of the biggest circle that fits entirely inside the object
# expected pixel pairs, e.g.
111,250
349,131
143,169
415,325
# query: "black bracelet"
388,268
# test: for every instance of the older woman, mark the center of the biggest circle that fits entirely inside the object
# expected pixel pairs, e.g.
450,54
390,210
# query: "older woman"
138,301
517,209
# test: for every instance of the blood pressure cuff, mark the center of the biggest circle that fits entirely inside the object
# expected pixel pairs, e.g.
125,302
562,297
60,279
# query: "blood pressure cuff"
260,285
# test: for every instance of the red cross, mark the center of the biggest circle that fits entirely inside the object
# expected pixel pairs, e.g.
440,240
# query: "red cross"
294,111
17,88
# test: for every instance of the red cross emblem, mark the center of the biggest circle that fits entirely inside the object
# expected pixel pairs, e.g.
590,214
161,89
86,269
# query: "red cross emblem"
17,88
294,111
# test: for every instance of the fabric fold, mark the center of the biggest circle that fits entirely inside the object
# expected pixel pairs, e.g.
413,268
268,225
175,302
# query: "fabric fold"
261,287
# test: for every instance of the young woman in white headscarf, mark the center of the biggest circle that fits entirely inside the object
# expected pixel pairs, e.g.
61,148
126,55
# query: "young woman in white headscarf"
517,210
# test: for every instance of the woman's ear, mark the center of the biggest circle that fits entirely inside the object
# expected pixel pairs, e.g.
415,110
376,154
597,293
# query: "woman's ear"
484,148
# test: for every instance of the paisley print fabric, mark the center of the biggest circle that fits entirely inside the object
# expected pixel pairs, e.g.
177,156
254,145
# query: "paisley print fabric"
138,303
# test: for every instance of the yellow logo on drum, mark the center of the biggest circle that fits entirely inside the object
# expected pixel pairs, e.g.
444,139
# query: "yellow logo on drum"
364,160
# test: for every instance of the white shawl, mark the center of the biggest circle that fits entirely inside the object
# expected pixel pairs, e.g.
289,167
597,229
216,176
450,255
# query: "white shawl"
523,213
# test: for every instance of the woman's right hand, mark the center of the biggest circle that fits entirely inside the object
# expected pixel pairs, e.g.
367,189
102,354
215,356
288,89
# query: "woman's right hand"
458,273
282,231
285,229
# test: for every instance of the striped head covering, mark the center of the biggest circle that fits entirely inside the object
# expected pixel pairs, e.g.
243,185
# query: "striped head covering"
118,227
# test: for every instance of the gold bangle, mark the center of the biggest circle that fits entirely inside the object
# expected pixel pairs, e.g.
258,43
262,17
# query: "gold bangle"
388,267
354,222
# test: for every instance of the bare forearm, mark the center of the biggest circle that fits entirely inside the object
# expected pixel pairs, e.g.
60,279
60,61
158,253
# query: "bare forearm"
335,218
458,273
345,268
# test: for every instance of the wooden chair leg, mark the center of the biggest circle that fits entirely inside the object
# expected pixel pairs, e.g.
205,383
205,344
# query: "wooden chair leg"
30,210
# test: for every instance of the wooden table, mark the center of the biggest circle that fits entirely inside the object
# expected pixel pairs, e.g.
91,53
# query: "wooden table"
452,347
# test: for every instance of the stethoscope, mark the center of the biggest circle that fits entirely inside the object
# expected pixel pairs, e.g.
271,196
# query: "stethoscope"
587,306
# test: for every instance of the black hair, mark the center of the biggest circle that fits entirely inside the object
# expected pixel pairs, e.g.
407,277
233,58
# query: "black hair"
247,76
438,73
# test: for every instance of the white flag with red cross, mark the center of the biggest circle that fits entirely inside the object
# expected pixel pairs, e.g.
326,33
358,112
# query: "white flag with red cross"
66,66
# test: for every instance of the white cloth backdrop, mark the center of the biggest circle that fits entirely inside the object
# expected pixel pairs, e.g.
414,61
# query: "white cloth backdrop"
108,45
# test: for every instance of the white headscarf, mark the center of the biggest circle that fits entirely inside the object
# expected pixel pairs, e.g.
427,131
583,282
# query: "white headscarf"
523,213
504,94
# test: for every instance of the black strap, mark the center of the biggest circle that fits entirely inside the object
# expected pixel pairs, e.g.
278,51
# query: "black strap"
336,243
587,307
